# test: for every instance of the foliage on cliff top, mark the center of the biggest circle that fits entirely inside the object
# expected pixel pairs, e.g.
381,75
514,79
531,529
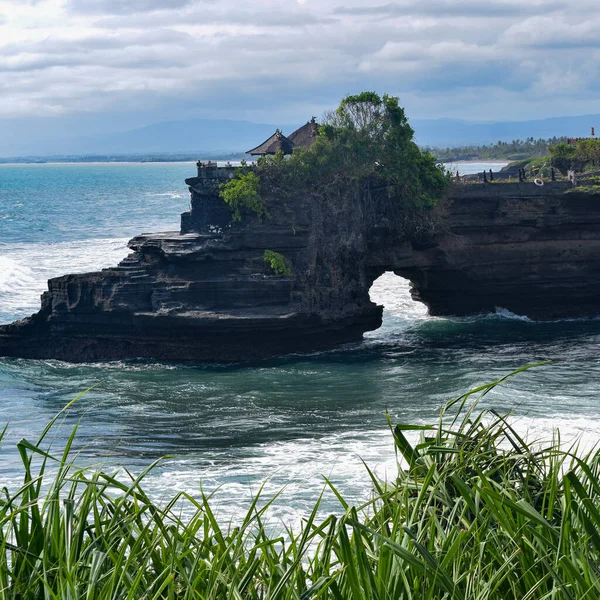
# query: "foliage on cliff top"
364,147
583,156
516,150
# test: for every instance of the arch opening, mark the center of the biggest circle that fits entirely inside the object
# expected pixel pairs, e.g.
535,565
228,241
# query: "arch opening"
400,310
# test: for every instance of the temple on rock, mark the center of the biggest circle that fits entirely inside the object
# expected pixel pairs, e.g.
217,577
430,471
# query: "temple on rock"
303,137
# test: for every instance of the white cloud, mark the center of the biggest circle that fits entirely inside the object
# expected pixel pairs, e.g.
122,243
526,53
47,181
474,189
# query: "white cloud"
275,57
103,7
555,34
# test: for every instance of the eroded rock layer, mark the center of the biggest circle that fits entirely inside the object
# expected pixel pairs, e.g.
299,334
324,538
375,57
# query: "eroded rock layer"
207,294
533,251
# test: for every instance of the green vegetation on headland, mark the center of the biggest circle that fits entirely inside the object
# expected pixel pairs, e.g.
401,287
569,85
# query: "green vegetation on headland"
475,513
242,193
582,157
365,148
512,151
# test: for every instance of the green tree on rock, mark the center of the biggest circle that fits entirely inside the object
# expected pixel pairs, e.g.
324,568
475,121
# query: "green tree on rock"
369,138
277,263
364,148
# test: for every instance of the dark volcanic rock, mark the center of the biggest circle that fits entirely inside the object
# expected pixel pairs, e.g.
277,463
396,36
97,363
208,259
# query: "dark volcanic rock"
534,251
207,294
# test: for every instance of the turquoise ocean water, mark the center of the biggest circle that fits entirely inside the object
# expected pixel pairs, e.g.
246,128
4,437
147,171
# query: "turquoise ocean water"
292,419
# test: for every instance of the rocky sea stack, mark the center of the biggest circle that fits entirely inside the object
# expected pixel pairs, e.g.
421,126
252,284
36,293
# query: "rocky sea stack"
207,293
279,257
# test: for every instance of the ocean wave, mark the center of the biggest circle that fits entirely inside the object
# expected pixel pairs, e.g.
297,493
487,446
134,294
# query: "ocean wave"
297,468
14,277
393,293
26,268
173,195
504,313
507,314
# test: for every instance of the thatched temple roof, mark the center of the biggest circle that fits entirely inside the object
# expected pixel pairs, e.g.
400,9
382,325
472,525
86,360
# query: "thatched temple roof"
301,138
306,135
277,142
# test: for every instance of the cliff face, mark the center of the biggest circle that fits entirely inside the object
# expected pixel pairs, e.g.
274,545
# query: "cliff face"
534,251
207,294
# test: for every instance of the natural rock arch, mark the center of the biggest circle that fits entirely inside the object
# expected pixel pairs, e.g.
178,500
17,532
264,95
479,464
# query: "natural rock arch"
207,294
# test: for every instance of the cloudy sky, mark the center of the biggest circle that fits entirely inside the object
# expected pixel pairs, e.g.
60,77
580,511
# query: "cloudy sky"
142,61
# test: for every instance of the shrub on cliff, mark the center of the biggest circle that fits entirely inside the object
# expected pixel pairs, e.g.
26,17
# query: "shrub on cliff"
277,263
565,157
589,151
366,147
242,194
369,139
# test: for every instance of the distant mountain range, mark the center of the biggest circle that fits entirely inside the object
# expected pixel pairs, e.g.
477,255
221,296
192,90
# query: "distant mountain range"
220,136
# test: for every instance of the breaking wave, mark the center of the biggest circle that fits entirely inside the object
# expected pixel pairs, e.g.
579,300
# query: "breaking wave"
26,268
14,277
507,314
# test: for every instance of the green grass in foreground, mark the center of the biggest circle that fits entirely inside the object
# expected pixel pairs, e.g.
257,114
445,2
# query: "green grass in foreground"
476,513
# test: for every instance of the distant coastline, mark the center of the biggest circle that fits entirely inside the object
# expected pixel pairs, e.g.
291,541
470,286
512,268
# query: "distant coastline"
475,161
498,152
122,158
466,167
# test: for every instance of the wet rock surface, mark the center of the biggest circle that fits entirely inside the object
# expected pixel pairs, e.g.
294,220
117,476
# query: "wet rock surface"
205,293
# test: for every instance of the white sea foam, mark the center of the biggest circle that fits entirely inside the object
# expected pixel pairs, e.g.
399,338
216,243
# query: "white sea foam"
393,293
26,268
165,195
297,468
14,277
507,314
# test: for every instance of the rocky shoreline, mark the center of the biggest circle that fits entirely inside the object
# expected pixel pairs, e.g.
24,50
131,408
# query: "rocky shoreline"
206,293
